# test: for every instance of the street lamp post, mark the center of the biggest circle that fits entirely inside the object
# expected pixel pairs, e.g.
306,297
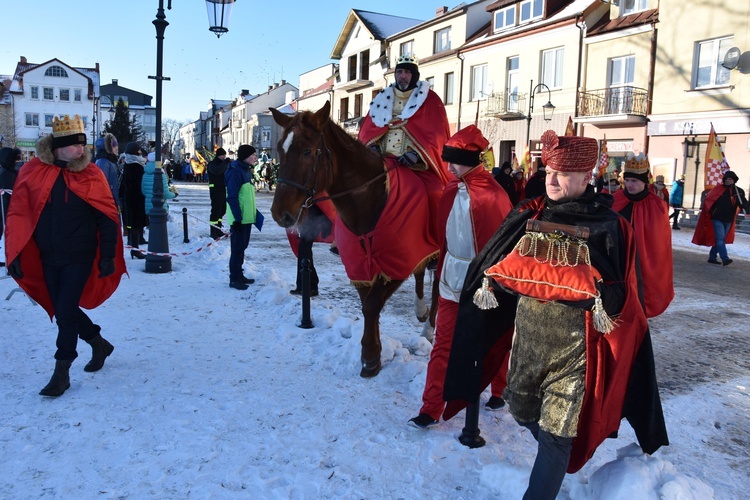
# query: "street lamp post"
694,150
158,259
548,108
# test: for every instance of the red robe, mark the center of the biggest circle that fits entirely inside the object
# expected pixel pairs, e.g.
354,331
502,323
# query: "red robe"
653,237
32,190
704,231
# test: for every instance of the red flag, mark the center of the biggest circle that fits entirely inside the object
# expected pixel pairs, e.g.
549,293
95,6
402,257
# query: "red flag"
570,129
603,159
716,162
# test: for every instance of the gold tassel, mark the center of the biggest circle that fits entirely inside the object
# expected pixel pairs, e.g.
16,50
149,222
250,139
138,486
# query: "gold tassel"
602,322
484,298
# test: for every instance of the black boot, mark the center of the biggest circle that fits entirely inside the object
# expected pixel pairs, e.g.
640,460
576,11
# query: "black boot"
60,380
100,349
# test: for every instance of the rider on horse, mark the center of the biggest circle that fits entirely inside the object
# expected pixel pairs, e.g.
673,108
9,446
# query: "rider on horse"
408,125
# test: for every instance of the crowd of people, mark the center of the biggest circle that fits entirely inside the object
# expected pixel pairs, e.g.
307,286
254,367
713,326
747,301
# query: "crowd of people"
545,283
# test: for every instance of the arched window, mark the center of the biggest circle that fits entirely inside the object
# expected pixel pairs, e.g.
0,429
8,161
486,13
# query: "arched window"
56,71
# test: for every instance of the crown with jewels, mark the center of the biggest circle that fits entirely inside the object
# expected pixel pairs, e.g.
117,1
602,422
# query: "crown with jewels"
637,164
407,59
66,125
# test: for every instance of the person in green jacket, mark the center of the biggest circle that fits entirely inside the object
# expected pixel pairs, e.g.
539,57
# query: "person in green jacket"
240,212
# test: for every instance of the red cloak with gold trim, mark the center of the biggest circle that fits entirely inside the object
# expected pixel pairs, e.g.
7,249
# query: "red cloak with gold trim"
653,237
32,190
326,206
704,231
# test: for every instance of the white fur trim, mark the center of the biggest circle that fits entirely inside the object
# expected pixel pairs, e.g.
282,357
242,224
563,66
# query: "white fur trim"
381,109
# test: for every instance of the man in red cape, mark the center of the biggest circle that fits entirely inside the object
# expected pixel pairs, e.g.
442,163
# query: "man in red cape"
407,123
649,216
63,243
472,208
567,382
718,216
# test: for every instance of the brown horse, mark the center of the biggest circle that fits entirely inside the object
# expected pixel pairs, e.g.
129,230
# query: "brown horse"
319,157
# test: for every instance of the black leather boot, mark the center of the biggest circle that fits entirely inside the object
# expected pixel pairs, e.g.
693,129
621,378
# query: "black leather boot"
100,349
60,380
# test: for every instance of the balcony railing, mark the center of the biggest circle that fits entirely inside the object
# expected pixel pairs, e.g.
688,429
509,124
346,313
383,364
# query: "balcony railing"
613,101
506,105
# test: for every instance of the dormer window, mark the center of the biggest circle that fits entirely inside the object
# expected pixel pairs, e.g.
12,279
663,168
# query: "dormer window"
628,7
442,40
530,10
56,71
505,18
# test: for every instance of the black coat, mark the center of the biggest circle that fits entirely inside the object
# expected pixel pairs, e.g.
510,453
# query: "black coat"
134,203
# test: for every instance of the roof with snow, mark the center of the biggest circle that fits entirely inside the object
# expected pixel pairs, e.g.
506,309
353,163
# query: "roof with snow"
380,26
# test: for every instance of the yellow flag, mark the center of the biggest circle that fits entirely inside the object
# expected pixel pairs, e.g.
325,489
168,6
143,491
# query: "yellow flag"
570,129
716,162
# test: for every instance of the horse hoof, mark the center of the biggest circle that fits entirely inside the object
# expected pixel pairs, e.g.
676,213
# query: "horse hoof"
371,369
428,332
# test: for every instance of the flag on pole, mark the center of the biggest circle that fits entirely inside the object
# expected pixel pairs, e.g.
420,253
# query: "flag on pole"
716,162
514,163
570,129
603,159
526,162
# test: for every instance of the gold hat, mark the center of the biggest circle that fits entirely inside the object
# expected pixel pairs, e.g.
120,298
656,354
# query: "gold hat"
67,131
637,167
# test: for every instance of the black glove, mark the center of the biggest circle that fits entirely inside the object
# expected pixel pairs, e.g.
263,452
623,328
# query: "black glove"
409,159
14,269
236,226
106,267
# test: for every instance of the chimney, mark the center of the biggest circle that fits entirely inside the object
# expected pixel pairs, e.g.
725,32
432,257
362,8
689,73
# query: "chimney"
245,92
270,87
283,82
275,85
23,60
114,81
440,11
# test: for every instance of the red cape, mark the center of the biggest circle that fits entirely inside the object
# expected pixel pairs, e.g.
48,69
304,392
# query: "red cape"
653,237
428,129
704,231
401,241
326,206
32,190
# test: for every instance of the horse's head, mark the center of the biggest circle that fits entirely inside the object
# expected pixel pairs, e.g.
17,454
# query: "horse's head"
305,166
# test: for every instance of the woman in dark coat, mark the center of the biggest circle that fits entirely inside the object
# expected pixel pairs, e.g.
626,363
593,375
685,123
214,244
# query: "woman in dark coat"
134,203
9,165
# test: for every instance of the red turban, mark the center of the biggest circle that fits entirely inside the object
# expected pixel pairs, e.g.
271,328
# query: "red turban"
569,153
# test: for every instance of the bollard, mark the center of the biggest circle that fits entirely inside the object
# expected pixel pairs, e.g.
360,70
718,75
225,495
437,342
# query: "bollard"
470,433
185,238
305,279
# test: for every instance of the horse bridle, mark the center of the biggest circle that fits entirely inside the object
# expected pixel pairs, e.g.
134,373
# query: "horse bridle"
311,200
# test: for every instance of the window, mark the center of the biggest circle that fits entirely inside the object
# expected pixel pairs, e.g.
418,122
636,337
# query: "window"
406,48
442,40
478,82
357,105
122,98
48,93
48,120
448,95
708,59
344,109
65,95
505,18
621,78
56,71
431,81
364,65
512,78
77,95
85,120
552,68
530,10
32,120
35,92
631,6
352,70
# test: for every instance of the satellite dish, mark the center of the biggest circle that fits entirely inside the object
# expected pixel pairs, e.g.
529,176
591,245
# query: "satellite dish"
731,58
744,63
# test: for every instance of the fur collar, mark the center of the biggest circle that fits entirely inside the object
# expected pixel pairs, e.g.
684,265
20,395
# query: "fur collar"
381,108
44,152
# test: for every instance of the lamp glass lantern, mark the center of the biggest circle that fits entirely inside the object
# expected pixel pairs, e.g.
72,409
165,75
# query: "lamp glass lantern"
690,145
219,12
548,110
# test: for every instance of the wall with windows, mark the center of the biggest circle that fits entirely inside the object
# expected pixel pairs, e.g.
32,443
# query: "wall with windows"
621,59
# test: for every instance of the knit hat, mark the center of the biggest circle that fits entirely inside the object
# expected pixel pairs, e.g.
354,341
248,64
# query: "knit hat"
245,151
730,175
133,148
221,152
99,144
67,131
637,167
569,153
465,147
409,62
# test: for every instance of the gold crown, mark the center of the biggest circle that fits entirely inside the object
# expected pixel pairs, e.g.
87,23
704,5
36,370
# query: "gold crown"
66,125
407,59
637,164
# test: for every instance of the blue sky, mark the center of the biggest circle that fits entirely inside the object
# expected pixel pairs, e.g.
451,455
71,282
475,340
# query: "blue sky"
267,41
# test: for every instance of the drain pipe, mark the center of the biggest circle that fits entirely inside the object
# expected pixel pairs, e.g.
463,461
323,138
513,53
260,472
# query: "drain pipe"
579,80
460,90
